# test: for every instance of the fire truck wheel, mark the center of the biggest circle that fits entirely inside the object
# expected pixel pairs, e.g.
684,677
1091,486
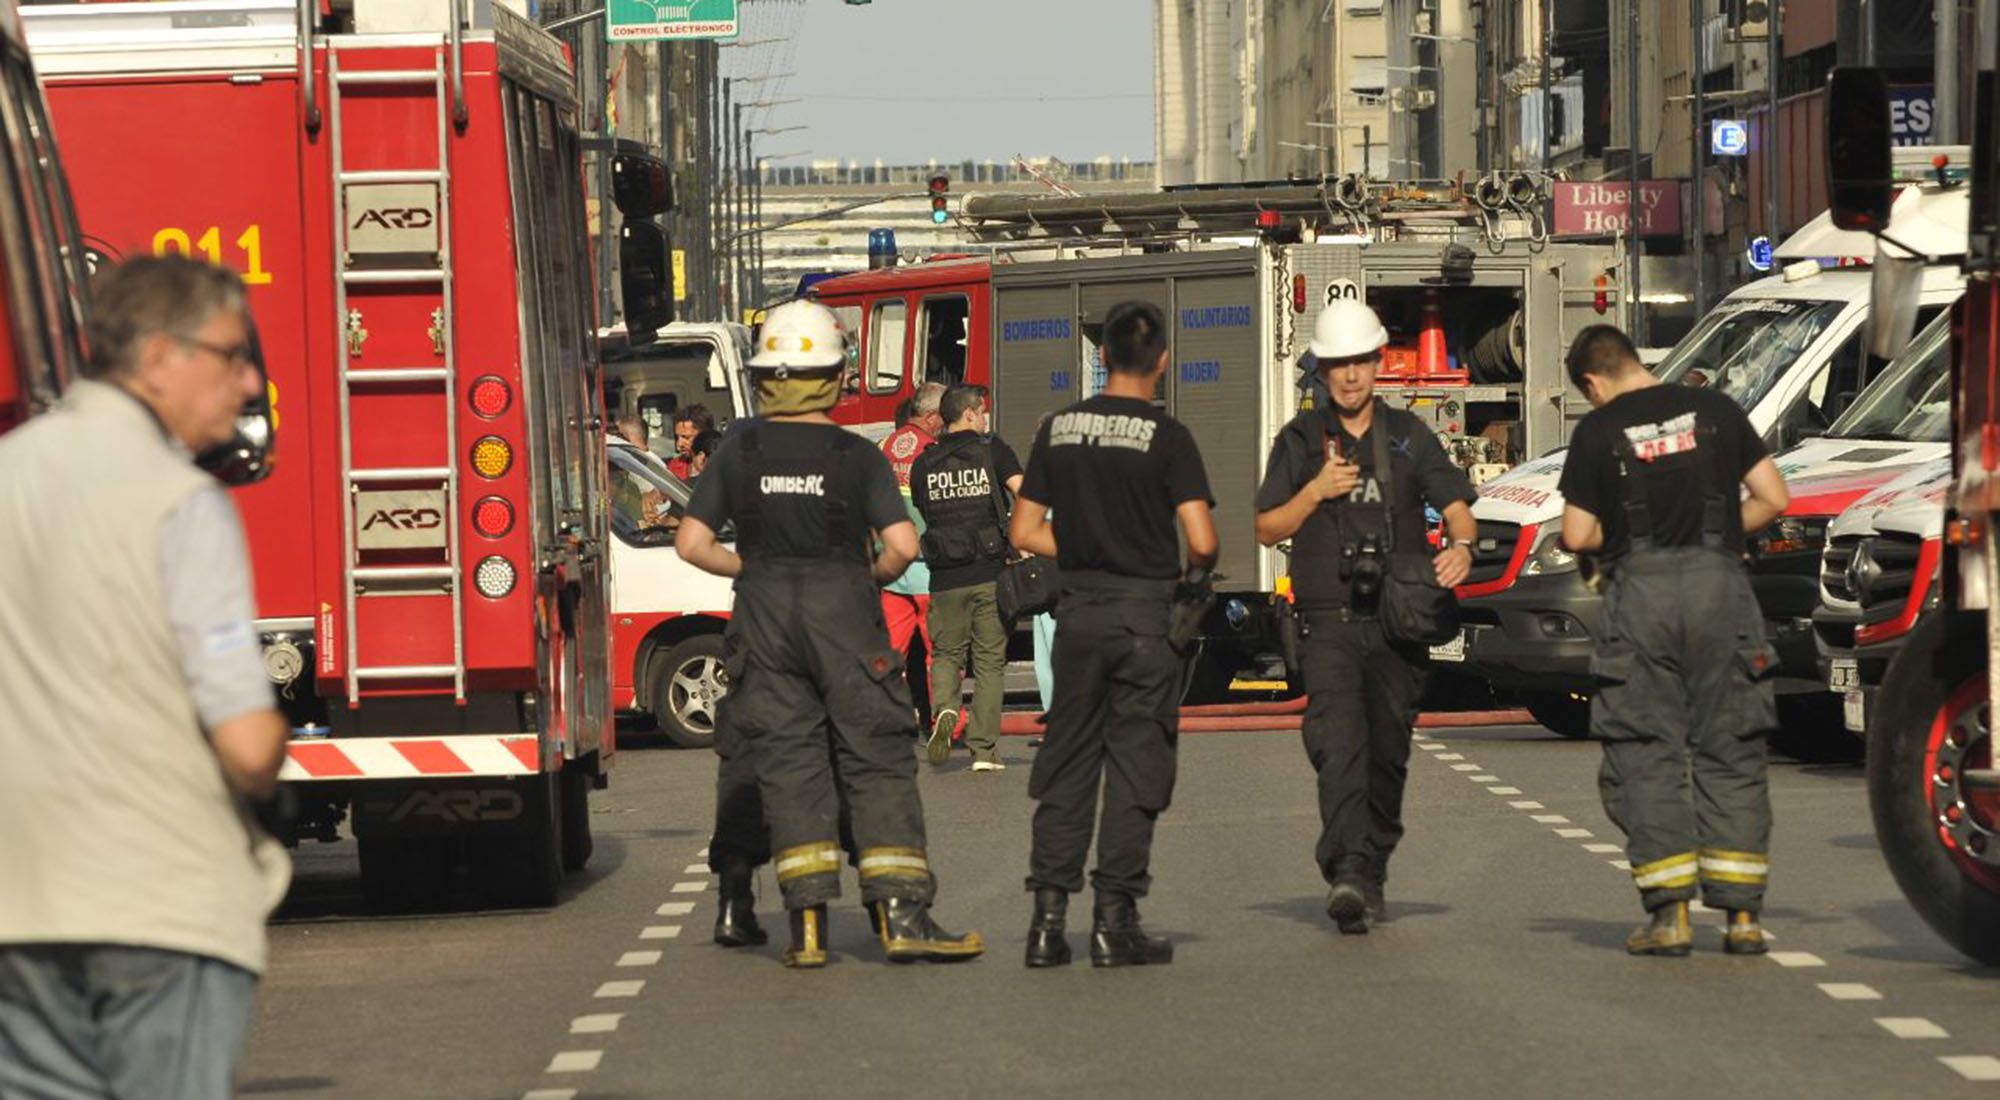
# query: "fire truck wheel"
1560,712
404,874
524,869
684,685
576,842
1930,725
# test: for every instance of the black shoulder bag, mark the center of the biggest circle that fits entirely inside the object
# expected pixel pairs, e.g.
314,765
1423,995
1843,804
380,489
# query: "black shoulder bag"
1026,586
1414,608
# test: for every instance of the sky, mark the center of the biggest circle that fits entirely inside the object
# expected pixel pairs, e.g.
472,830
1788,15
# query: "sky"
912,80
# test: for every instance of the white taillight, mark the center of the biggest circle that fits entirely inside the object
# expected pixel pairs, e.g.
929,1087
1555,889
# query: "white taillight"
494,577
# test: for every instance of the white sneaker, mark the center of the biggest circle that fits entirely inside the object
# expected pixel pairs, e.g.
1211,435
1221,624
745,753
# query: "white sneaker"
988,766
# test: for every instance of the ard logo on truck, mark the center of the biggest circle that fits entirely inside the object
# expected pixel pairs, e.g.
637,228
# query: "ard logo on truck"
415,217
400,519
405,519
499,804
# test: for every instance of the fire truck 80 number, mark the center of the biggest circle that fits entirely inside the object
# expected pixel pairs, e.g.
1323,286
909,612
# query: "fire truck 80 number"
209,244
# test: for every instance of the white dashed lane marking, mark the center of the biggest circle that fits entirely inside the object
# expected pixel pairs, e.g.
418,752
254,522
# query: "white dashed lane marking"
1549,819
549,1094
1429,746
1600,849
595,1025
661,932
1525,805
1796,958
1622,864
696,869
1450,756
675,909
1849,991
1574,834
1484,778
689,887
575,1061
1505,790
639,958
1911,1027
621,989
1974,1067
1463,767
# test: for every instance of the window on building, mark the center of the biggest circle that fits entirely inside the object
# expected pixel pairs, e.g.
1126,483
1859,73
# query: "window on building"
1367,75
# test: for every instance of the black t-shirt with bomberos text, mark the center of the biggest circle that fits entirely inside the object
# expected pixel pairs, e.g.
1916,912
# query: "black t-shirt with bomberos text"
1113,470
1680,446
795,467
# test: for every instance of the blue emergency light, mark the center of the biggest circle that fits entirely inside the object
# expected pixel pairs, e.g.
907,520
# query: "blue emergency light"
1761,255
881,248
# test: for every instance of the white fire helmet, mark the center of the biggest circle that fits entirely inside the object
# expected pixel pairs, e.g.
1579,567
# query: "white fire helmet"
799,335
1345,329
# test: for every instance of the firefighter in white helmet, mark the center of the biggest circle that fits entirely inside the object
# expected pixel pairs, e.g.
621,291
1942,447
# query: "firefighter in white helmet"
816,692
1348,482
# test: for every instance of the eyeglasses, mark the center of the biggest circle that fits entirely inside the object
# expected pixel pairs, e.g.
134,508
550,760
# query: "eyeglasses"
238,355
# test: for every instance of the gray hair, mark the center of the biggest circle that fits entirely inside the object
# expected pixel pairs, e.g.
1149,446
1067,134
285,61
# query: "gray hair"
153,295
928,396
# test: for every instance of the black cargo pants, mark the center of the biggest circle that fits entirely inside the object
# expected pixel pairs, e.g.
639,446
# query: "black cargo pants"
741,836
1683,701
819,700
1362,694
1114,723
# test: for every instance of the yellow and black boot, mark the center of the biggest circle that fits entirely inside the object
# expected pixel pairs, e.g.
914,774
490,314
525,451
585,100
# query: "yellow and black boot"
1744,936
1668,934
808,949
909,934
736,916
1116,939
1047,945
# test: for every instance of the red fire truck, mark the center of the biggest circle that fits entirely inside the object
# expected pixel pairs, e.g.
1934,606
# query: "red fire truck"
401,189
1932,786
41,278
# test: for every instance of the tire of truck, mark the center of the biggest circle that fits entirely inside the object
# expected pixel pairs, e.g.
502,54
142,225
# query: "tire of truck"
684,684
1561,713
1927,728
523,869
405,874
575,809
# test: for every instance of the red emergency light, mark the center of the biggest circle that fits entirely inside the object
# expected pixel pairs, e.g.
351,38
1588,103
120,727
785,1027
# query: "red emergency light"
1269,219
490,396
1298,294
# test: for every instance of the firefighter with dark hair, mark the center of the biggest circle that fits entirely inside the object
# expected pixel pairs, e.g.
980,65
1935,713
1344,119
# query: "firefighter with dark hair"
1118,473
817,696
1348,483
1653,483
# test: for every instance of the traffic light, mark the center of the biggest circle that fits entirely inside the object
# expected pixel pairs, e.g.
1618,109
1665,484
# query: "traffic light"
940,199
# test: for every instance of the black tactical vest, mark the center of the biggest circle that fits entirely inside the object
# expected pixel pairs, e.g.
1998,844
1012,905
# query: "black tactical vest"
962,506
827,523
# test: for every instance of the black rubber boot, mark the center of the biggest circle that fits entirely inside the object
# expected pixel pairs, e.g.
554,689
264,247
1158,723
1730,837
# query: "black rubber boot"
1116,939
736,915
909,934
1669,934
808,949
1375,904
1047,945
1347,899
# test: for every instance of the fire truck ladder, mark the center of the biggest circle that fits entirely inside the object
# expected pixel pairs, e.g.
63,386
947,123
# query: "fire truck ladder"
432,279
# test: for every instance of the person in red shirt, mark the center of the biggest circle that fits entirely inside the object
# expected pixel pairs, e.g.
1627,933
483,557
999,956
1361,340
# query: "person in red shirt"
906,603
688,423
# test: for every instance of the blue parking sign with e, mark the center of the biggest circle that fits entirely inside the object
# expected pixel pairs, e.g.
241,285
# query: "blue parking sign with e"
1728,137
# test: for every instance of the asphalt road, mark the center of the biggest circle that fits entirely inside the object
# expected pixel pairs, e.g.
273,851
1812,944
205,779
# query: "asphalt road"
1501,974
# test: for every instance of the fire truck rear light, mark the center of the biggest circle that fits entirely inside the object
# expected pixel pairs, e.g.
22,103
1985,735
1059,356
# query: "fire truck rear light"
491,456
1269,219
494,577
493,517
491,396
1601,299
1298,294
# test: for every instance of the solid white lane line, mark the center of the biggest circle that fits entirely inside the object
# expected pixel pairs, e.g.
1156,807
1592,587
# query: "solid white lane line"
639,958
675,909
660,932
549,1094
1796,958
1465,767
1911,1027
1574,834
595,1025
1449,756
629,988
1849,991
575,1061
1484,778
1600,849
696,869
1526,805
1505,790
1549,819
1974,1067
688,887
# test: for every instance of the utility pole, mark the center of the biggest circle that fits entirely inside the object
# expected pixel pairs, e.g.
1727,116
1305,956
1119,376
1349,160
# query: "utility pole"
1635,313
725,283
1697,184
1546,9
1945,85
1774,53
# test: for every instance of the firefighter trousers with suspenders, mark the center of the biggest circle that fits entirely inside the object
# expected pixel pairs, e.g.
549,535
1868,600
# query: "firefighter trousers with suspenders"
819,702
1682,706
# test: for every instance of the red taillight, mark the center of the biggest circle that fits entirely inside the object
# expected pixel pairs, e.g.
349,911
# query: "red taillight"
1298,294
1269,219
490,397
1601,300
492,517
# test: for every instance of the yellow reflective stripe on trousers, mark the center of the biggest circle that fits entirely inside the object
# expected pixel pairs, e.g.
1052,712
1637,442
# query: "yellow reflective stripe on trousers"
1744,868
822,858
894,863
1665,873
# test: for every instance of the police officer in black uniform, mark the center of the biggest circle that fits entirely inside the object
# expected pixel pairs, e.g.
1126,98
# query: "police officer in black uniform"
1652,482
1118,472
1326,489
813,680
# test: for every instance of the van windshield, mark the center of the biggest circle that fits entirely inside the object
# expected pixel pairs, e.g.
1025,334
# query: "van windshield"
1912,399
1744,346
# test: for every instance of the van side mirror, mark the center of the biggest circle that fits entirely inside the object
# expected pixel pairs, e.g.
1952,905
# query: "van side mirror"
644,278
1858,157
248,457
641,185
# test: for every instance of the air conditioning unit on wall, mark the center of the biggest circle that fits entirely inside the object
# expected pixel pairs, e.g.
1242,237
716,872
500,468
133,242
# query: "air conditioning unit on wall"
1752,22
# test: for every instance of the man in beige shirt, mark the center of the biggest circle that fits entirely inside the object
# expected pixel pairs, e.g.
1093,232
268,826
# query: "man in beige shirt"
139,730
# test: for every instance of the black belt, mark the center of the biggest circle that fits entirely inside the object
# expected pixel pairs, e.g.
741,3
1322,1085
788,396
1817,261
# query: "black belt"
1093,582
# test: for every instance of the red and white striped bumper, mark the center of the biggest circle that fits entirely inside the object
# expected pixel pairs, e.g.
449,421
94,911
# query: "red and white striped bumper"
410,757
